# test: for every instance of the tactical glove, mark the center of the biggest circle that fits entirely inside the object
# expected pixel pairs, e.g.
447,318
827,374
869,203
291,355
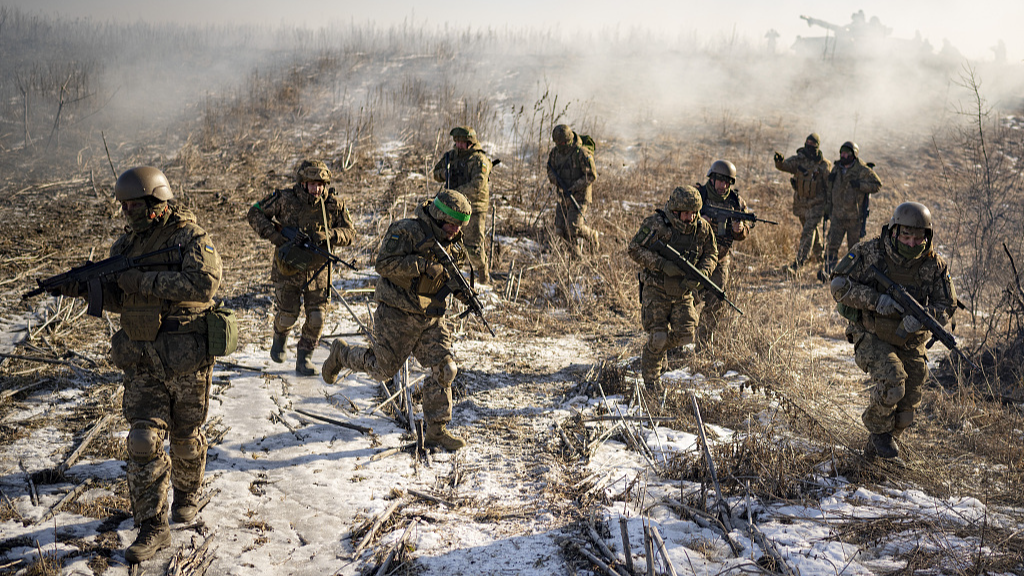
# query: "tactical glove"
670,268
692,286
855,183
69,290
436,273
131,281
778,158
317,236
886,306
911,324
278,239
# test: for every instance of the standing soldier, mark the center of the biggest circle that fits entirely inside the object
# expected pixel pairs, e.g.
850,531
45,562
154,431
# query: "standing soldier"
412,296
666,294
466,169
846,203
888,343
718,191
572,171
309,208
810,171
162,348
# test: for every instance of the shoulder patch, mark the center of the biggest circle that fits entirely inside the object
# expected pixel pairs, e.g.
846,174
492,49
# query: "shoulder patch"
208,248
846,264
643,236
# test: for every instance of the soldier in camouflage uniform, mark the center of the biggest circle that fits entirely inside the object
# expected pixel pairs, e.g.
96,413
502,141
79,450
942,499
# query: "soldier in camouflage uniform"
666,294
412,296
889,344
572,171
162,349
849,184
312,208
466,169
810,171
719,191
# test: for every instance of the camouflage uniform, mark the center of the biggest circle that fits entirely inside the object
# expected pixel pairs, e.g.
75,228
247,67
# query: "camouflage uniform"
810,171
411,302
573,165
667,313
291,207
724,238
848,188
895,360
467,171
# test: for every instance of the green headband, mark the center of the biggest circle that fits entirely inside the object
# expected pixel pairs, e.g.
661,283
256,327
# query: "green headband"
450,212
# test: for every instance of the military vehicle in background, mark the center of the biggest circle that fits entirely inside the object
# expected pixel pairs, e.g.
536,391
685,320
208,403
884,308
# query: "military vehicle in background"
867,39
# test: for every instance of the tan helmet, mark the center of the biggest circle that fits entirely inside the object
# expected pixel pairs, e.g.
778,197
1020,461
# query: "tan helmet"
723,168
313,171
851,146
451,206
562,134
684,199
912,214
464,134
143,181
813,137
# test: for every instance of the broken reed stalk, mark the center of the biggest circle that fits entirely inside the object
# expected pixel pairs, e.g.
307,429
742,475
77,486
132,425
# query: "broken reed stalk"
594,559
649,549
89,437
356,427
377,523
67,499
431,498
664,551
627,549
395,549
195,564
391,398
723,507
599,542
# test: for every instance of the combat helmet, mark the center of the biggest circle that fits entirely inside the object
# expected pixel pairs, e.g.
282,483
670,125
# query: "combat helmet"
852,147
562,134
813,137
684,199
464,134
723,168
451,206
913,215
143,182
313,171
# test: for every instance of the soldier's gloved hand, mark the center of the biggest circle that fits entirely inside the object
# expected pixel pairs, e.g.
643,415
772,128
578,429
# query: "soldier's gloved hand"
886,306
692,285
855,183
131,281
436,272
70,290
911,324
278,239
670,269
778,158
317,236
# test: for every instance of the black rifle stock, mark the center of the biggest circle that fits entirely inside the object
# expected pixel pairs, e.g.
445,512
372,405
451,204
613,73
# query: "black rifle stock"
458,283
93,273
565,190
691,271
721,214
914,308
302,240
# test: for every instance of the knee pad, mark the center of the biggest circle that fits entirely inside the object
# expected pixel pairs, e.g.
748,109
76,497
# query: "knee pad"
284,321
145,441
658,341
894,394
445,372
315,319
189,447
904,419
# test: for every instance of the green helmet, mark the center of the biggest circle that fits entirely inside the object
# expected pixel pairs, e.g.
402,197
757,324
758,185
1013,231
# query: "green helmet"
851,146
912,214
464,134
562,134
313,171
451,206
723,168
684,199
142,182
813,137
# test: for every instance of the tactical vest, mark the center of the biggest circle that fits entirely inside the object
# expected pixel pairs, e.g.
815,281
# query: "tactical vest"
909,278
432,294
688,246
723,231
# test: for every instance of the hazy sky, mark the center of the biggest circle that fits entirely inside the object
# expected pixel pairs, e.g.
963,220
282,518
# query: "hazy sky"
973,26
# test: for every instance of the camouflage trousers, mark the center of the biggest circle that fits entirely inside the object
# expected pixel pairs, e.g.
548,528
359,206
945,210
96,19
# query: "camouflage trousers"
898,376
289,298
839,229
476,245
669,321
571,222
396,336
810,245
166,395
714,309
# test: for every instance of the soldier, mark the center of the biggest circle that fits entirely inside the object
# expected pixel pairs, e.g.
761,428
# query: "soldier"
887,344
411,299
466,169
719,191
846,201
299,277
572,171
810,171
667,313
162,349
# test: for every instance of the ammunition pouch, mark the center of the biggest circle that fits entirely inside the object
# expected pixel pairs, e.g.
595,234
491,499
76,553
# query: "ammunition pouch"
849,312
291,259
140,317
221,331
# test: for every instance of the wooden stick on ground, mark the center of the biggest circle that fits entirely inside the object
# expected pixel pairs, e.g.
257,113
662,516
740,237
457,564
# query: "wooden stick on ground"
89,437
594,559
599,542
350,426
67,499
624,531
723,507
377,523
395,548
664,552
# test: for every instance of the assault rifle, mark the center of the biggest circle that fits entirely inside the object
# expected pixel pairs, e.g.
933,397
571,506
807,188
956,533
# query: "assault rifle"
458,283
93,273
302,240
565,190
691,271
722,214
914,308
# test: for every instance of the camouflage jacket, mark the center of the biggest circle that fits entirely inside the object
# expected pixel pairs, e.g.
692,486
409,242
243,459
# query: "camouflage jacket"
810,175
925,278
289,208
573,165
724,234
847,189
466,171
695,242
403,259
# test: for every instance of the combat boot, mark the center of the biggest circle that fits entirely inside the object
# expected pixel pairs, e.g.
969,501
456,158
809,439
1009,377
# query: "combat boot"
333,364
154,535
304,363
438,435
792,268
277,353
185,506
882,445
